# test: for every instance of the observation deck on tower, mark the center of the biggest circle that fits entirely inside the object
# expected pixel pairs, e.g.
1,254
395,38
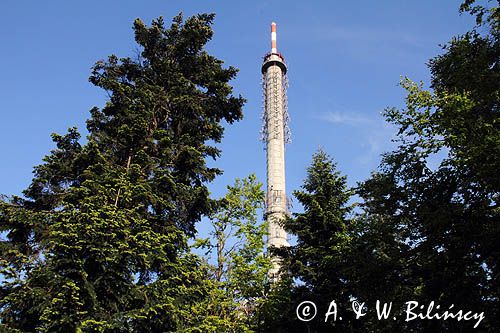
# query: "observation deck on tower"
271,59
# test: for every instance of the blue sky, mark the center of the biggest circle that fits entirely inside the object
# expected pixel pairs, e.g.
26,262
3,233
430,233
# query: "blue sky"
345,59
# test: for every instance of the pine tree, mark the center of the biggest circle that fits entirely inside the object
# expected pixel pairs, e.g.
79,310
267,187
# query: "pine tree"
99,242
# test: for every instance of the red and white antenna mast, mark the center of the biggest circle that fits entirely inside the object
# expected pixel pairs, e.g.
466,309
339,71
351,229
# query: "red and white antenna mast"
274,49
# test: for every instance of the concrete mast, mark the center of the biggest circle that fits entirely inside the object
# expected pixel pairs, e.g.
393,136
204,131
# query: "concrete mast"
275,134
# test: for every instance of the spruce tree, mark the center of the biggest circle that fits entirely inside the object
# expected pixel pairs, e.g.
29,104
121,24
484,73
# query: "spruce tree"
98,243
317,260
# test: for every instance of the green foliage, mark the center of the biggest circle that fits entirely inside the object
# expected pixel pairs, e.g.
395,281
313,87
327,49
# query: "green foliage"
433,233
276,312
236,245
317,261
99,243
321,229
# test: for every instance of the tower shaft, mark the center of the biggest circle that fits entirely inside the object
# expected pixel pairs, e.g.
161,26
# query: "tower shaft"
275,150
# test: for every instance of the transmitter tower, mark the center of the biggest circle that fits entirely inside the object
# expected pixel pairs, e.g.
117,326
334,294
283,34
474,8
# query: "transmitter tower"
275,134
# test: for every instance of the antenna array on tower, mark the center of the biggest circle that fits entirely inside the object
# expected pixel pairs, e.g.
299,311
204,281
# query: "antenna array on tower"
267,116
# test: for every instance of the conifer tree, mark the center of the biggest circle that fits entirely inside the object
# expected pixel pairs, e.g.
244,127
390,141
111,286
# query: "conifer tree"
317,262
98,243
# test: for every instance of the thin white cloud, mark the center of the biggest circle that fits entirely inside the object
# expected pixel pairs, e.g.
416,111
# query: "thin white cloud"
373,134
375,140
344,118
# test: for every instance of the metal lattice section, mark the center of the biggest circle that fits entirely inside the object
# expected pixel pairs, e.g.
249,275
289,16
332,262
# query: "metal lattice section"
264,129
286,116
271,113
